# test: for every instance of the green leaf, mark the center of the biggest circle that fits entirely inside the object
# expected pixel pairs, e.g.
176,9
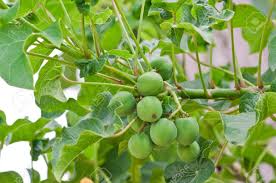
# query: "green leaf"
15,67
102,17
26,7
194,172
102,122
272,53
236,126
91,67
248,102
153,172
252,22
210,125
2,118
7,15
34,175
48,83
115,160
120,53
53,34
10,177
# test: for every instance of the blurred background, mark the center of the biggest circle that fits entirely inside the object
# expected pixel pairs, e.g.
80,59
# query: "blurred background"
20,103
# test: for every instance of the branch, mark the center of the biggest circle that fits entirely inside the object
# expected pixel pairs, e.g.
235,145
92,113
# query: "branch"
218,93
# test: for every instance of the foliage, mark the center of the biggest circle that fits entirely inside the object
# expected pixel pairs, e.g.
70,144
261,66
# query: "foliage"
130,120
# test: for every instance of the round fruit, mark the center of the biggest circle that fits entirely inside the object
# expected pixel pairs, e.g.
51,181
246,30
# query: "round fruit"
188,153
126,102
150,84
149,109
163,132
187,130
139,146
164,68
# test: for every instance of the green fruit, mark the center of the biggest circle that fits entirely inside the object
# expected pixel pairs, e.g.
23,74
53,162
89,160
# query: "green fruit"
188,153
149,109
164,68
126,102
150,84
139,146
163,132
187,130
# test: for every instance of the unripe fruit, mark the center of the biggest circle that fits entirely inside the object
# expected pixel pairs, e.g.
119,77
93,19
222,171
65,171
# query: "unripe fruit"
162,67
187,130
149,109
126,102
188,153
150,84
163,132
139,146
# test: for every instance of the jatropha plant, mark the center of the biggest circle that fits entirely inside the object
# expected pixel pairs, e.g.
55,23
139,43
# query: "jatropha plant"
137,117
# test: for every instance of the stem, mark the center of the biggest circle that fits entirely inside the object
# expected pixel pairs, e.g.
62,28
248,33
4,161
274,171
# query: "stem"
258,161
211,64
109,78
259,78
124,30
131,33
174,68
124,130
234,59
179,106
199,68
97,83
218,93
135,171
84,39
95,37
69,64
221,153
141,21
219,69
120,73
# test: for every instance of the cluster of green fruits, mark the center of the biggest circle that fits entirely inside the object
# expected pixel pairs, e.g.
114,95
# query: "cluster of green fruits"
163,131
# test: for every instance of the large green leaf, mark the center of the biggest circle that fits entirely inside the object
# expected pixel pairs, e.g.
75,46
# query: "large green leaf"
194,172
252,22
101,123
6,15
10,177
22,130
15,67
236,126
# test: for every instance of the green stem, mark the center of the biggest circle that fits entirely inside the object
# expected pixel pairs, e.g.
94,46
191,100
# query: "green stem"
211,64
120,133
69,64
141,21
97,83
174,66
109,78
84,39
219,69
234,59
135,171
131,33
221,153
120,73
218,93
179,106
74,35
259,77
96,39
199,68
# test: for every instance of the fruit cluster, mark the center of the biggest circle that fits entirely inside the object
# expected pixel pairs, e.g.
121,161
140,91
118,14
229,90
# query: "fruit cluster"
163,131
